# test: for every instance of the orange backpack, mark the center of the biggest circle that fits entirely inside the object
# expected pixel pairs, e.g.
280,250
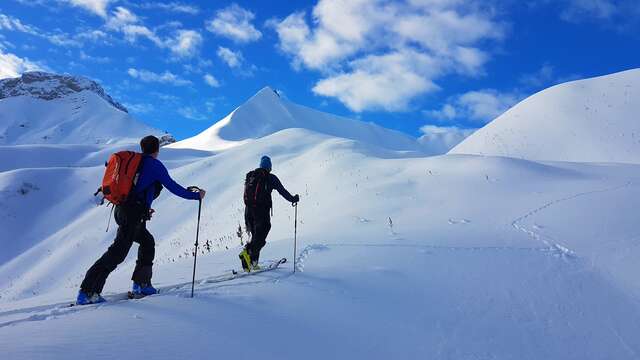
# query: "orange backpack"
120,176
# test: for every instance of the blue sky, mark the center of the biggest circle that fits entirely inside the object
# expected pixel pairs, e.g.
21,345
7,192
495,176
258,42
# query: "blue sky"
415,65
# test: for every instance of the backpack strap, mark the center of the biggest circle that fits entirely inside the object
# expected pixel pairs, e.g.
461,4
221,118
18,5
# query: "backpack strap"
136,178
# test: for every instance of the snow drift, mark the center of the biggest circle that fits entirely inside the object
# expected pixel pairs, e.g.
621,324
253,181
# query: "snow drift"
592,120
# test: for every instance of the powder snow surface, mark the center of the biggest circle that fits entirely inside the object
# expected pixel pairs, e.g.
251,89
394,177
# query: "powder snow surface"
399,255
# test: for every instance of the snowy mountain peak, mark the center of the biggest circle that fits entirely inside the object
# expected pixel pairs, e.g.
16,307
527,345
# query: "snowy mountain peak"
47,86
267,93
266,113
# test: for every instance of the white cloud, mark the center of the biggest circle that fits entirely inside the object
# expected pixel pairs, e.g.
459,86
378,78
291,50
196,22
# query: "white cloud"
234,22
12,65
577,10
372,81
4,44
210,105
313,50
376,54
164,78
186,43
440,139
542,77
232,58
31,2
486,105
176,7
93,35
619,15
480,106
183,43
197,67
98,7
141,108
192,113
120,18
125,21
211,80
95,59
62,39
14,24
57,38
133,32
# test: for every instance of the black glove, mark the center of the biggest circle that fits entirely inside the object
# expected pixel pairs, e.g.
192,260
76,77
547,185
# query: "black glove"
296,198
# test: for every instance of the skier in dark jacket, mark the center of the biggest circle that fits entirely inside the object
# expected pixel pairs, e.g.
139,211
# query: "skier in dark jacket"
257,198
131,218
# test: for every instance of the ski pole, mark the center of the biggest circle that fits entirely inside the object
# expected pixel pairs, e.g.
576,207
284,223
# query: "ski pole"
195,253
295,236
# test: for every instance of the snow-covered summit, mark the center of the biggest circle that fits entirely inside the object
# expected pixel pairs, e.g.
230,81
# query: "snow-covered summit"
47,86
266,113
43,108
591,120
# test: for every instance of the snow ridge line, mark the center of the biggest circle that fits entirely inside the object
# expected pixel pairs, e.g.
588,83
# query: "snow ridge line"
553,246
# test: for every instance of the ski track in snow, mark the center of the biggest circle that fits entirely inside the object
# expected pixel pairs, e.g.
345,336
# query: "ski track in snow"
551,243
300,260
308,250
46,312
205,285
53,311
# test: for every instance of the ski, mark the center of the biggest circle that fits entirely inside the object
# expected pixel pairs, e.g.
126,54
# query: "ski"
271,266
131,295
231,275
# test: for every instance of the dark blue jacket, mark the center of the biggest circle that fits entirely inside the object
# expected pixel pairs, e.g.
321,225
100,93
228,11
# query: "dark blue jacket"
275,184
152,171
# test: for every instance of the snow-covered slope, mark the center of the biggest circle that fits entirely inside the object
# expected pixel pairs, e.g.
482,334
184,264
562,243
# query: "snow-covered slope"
43,108
592,120
457,257
266,113
399,256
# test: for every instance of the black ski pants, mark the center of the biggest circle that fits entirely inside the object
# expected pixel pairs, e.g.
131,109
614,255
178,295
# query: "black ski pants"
258,222
131,228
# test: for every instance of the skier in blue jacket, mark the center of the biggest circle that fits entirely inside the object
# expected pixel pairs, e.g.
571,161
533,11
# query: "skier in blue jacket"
131,218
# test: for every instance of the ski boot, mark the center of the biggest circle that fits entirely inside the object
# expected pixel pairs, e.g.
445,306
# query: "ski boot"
255,266
86,299
141,290
245,259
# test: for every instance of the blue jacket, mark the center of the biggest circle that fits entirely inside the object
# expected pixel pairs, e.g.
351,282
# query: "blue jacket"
152,171
275,184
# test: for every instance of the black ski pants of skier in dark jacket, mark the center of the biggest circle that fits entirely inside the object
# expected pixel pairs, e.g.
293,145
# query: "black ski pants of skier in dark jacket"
258,222
131,219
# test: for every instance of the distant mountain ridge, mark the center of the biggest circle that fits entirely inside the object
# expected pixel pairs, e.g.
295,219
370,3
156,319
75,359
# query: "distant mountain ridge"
44,108
47,86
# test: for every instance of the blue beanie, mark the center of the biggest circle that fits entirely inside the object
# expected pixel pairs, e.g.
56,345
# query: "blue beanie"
265,163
